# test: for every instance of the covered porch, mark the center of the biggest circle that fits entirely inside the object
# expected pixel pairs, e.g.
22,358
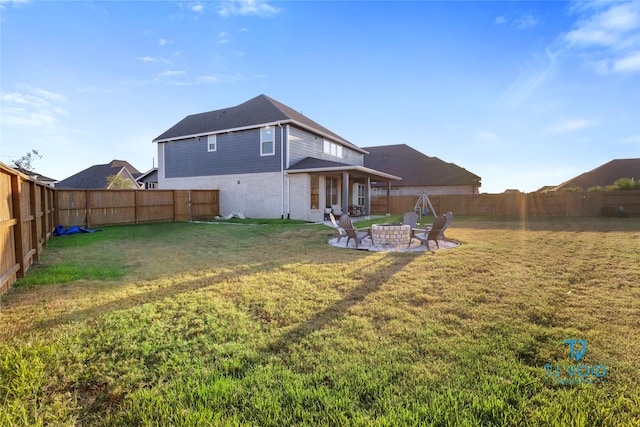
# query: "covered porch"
340,188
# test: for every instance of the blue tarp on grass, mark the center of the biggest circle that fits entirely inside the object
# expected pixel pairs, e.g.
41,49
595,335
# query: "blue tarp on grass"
74,229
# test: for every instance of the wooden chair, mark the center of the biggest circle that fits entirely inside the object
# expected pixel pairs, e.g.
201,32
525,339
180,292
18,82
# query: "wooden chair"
430,232
449,216
341,232
410,218
353,232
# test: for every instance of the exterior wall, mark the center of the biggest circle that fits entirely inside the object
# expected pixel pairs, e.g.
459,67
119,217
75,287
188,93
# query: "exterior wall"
259,195
418,190
236,153
305,144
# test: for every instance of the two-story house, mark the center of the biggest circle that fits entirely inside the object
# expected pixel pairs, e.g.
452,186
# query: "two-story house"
267,160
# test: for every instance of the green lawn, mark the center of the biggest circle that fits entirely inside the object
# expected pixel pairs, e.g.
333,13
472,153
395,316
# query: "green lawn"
268,325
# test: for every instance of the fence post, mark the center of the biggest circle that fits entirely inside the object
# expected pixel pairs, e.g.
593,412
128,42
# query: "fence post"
17,212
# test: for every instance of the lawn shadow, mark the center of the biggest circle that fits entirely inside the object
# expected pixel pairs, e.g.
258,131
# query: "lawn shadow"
375,275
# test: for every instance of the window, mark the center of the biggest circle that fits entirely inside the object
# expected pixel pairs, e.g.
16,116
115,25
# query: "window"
332,148
212,143
267,138
361,191
331,191
315,192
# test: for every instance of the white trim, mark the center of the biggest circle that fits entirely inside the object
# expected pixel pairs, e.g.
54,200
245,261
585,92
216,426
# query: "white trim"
347,168
273,141
215,143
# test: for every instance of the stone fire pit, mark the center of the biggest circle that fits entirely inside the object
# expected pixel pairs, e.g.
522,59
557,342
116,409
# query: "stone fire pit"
390,234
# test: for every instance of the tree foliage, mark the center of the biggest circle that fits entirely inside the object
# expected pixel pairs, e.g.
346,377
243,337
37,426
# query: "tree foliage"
117,182
25,163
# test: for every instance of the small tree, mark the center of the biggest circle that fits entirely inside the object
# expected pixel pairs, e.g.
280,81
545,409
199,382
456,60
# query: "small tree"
25,163
119,183
625,184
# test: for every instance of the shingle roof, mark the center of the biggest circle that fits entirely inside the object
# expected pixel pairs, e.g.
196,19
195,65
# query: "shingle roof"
604,175
257,111
415,168
96,176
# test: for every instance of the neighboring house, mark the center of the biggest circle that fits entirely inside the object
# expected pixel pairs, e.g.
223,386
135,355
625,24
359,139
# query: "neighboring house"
603,175
267,160
98,176
149,179
41,179
420,173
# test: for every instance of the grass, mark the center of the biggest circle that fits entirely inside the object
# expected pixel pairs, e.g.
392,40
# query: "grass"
215,324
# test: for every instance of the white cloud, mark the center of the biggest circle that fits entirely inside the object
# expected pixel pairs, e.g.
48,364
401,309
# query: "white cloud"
247,7
628,64
529,80
500,20
163,42
38,110
146,59
172,73
525,21
607,36
570,125
198,8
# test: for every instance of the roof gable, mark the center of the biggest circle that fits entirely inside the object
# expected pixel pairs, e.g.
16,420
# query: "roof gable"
605,174
258,111
96,176
416,168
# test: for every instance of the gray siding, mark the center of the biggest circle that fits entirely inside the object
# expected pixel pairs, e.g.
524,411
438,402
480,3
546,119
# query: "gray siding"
237,153
303,144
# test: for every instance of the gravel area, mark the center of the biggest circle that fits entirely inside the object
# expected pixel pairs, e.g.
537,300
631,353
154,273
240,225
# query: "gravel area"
416,246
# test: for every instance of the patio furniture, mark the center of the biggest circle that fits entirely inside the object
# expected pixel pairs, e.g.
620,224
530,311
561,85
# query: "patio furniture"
336,210
410,218
341,232
449,216
429,232
353,232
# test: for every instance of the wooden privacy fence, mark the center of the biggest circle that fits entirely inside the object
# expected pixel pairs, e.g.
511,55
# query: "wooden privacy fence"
95,208
29,212
520,204
26,223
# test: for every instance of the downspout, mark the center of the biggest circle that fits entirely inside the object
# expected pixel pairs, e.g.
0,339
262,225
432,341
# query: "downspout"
281,168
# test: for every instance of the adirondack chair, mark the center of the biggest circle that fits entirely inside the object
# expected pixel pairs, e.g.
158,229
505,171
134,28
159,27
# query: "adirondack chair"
430,232
449,216
341,232
353,232
410,218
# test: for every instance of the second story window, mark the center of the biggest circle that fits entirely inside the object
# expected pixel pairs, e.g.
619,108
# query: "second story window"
332,148
212,143
267,141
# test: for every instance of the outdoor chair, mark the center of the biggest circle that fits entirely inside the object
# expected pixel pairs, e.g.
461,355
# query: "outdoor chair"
341,232
352,232
449,216
336,210
410,218
429,232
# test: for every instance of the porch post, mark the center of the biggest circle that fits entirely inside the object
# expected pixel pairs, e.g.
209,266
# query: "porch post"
345,192
388,198
367,197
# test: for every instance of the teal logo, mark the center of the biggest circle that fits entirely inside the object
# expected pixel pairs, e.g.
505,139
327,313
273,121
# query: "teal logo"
575,374
575,353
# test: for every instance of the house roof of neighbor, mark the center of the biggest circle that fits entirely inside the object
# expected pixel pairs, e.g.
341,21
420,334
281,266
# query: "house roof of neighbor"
417,169
604,175
96,176
256,112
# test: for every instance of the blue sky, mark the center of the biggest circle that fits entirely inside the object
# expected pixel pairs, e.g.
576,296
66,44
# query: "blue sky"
524,94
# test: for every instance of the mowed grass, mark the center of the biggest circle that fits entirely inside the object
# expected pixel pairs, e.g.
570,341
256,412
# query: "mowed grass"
268,325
